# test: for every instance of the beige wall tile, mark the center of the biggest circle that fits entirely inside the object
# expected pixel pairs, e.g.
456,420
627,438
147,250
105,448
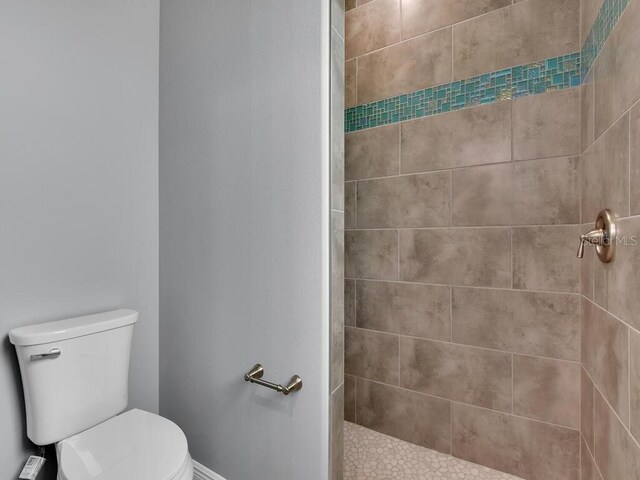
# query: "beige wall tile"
548,390
337,299
588,14
478,256
472,136
623,275
544,258
617,456
605,356
405,308
371,355
410,416
586,267
588,468
587,114
422,200
350,303
350,398
363,2
421,16
371,254
526,448
535,192
635,160
372,27
634,377
457,372
523,33
350,205
337,434
350,94
605,173
586,409
349,4
545,324
547,125
617,83
372,153
411,65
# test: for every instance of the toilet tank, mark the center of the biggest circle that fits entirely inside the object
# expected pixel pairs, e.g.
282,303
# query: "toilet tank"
74,372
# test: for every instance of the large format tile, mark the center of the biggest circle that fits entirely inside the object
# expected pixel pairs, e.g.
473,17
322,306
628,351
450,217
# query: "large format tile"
535,192
350,398
634,377
350,205
605,356
544,258
371,27
545,324
546,389
372,153
586,409
405,308
617,455
622,275
371,254
406,415
605,173
422,200
337,433
524,33
588,469
414,64
527,448
617,83
350,302
457,372
337,299
587,114
547,125
421,16
372,355
635,160
472,136
466,256
350,92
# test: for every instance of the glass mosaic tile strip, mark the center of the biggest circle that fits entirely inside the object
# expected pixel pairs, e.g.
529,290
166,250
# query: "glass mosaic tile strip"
539,77
608,16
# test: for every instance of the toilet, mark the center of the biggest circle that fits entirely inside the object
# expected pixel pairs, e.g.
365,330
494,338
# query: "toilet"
75,375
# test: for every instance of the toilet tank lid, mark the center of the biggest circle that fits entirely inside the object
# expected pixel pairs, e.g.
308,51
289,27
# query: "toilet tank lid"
72,327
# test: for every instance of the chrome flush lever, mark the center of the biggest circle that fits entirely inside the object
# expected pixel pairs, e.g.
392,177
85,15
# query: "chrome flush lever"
54,353
603,236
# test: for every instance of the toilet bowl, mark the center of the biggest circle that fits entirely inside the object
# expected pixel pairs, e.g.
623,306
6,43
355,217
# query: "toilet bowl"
75,375
135,445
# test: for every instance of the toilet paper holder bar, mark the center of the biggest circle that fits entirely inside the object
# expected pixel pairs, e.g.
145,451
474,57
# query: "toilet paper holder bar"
255,376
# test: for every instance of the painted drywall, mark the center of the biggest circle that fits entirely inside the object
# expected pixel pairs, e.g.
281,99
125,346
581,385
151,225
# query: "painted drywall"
244,232
78,181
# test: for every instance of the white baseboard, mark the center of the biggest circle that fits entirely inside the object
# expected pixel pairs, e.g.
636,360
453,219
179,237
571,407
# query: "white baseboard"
200,472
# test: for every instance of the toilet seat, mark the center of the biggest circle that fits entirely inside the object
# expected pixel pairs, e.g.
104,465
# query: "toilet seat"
134,445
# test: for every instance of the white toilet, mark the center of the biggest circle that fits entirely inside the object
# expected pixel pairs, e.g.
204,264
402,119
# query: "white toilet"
75,378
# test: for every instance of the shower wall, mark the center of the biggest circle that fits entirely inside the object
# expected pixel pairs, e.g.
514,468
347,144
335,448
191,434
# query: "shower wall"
610,302
462,211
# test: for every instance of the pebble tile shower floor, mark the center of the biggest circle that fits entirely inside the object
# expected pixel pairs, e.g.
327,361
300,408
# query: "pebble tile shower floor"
371,455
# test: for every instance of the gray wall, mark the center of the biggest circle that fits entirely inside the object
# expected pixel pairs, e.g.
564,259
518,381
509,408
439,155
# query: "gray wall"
78,180
244,182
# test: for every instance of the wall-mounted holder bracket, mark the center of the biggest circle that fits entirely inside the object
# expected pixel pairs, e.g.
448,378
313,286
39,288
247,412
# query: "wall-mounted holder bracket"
255,376
603,237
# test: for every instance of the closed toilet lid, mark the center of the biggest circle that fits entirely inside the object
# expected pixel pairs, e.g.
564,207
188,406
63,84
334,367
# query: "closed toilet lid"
135,445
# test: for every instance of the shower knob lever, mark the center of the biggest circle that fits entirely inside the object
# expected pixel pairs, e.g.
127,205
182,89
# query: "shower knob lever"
603,237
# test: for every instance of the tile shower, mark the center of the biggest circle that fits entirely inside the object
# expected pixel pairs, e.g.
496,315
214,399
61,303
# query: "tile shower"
482,138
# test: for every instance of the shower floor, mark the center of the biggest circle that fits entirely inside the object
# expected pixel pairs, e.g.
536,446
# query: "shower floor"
370,455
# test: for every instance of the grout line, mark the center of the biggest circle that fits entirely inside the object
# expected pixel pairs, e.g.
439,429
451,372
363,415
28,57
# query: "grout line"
455,168
476,347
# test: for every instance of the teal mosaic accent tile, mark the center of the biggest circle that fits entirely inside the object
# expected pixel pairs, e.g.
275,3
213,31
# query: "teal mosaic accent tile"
608,16
540,77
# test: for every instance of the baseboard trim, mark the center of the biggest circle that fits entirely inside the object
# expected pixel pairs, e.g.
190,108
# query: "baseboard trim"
200,472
